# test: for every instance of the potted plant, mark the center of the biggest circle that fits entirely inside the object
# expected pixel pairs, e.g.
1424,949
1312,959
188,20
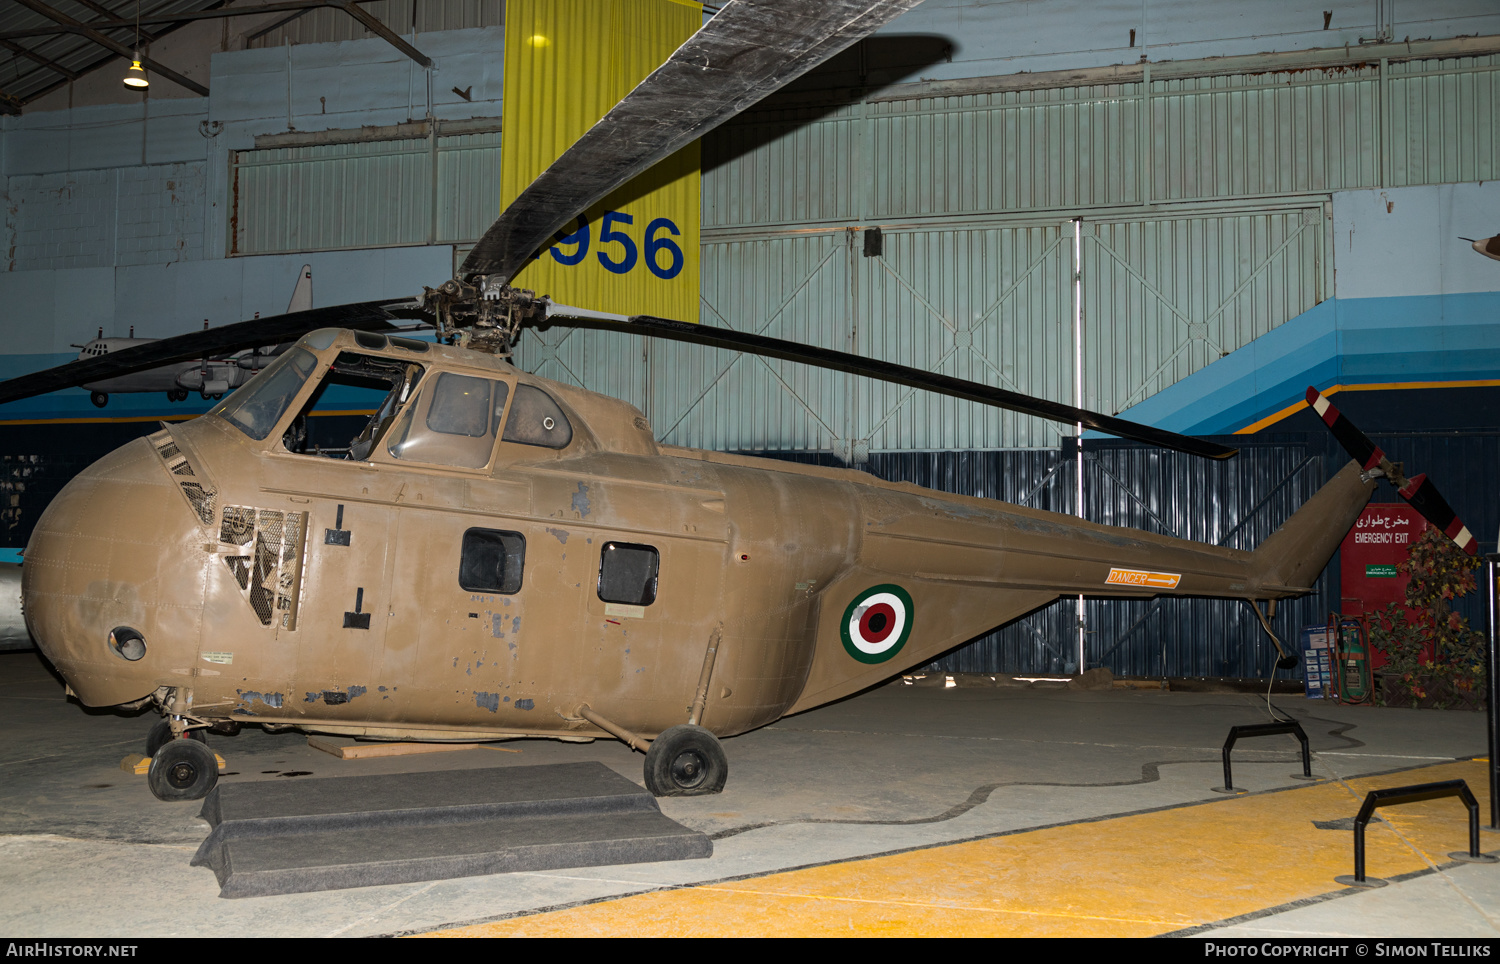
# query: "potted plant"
1452,676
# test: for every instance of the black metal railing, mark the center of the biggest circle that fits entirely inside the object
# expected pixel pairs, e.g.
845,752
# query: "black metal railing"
1416,793
1263,729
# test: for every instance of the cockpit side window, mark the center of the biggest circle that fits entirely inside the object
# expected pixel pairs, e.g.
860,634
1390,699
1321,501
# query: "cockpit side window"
256,408
453,422
352,408
535,419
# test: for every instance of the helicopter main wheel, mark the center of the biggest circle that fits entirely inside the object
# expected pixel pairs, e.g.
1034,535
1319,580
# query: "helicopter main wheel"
183,770
686,761
161,735
99,399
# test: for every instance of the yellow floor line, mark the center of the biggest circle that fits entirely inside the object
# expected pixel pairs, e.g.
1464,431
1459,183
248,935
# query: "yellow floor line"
1134,875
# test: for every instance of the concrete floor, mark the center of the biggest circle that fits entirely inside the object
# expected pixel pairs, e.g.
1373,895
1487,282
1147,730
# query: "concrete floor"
86,850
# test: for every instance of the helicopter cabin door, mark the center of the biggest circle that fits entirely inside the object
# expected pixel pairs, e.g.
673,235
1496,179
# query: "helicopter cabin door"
322,470
650,580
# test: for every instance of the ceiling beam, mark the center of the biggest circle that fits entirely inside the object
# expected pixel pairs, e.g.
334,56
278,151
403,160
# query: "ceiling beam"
30,54
109,14
367,20
84,30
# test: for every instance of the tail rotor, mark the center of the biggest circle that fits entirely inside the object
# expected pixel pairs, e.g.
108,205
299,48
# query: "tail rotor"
1417,490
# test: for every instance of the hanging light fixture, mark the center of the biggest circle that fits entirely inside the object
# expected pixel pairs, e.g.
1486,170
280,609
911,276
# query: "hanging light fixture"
136,75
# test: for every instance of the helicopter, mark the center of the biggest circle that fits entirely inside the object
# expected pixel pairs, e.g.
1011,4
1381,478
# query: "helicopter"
496,555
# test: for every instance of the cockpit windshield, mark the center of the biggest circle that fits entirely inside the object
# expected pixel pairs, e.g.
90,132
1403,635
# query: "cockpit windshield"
256,408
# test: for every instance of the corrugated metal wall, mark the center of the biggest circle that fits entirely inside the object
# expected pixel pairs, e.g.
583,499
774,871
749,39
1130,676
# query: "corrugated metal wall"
362,195
1205,221
403,16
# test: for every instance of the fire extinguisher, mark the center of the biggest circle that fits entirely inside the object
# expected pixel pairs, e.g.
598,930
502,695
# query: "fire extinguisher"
1351,675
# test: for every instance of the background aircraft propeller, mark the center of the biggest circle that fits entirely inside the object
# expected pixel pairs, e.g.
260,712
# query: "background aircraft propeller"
1419,493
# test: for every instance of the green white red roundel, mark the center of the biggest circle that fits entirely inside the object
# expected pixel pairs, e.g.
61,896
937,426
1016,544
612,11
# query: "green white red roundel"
877,623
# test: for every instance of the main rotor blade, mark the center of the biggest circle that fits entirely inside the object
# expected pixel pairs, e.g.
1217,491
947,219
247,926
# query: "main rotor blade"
749,49
1418,492
256,333
884,371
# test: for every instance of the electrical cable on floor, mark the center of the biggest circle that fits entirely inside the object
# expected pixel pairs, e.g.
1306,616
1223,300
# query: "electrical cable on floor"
1265,624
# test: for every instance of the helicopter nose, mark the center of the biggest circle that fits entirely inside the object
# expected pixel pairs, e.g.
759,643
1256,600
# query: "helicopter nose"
113,578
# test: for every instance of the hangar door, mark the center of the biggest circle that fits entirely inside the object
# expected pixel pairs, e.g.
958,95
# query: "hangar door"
1161,298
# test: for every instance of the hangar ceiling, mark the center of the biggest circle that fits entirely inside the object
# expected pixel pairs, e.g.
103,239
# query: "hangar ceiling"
44,45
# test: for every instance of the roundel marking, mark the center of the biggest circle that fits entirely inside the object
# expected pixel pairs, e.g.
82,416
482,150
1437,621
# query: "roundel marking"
877,623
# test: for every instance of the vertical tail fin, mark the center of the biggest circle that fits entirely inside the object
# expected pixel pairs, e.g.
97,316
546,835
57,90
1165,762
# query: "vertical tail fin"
1289,561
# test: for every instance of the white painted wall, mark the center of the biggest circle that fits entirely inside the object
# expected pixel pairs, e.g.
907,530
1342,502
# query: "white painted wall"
993,37
1400,242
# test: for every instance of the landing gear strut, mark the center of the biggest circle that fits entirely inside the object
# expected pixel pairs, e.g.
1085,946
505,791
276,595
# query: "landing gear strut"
161,735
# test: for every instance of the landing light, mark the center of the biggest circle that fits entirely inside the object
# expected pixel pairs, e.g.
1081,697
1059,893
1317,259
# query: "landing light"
127,643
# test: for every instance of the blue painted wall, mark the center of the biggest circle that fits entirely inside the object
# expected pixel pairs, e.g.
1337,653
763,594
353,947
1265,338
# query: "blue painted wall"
1414,306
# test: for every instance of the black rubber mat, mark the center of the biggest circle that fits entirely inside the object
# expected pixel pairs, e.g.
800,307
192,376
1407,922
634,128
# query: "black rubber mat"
286,838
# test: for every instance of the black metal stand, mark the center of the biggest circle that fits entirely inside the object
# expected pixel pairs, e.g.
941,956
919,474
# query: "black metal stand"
1392,796
1264,729
1492,689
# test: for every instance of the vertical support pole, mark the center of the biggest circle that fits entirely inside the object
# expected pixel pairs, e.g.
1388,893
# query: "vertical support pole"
1383,118
289,125
1147,150
1078,397
434,199
1492,689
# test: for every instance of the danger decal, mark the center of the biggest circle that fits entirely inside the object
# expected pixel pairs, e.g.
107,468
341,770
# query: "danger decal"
1142,577
877,623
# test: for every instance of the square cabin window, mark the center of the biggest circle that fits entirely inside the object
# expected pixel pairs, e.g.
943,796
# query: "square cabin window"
491,561
627,573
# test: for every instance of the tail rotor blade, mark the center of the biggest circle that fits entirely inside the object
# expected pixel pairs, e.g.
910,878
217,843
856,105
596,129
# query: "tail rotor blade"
1418,492
1423,496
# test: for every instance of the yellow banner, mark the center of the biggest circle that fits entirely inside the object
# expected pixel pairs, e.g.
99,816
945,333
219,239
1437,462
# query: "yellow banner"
567,62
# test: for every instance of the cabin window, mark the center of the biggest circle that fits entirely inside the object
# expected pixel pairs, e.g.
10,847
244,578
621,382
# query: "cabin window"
352,408
256,408
627,573
491,561
452,423
535,419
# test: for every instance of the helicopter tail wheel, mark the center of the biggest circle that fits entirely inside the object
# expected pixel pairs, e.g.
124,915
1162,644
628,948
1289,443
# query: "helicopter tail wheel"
161,735
183,770
99,399
686,761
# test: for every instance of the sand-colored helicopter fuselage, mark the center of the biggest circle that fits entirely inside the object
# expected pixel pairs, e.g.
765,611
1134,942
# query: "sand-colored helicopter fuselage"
500,555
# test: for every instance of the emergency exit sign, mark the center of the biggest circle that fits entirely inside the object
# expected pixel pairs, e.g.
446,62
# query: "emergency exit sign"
1381,572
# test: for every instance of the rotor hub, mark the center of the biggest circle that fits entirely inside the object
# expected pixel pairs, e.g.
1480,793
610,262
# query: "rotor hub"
483,314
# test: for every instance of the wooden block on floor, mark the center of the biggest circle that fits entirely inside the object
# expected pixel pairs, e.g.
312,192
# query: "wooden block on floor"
347,749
